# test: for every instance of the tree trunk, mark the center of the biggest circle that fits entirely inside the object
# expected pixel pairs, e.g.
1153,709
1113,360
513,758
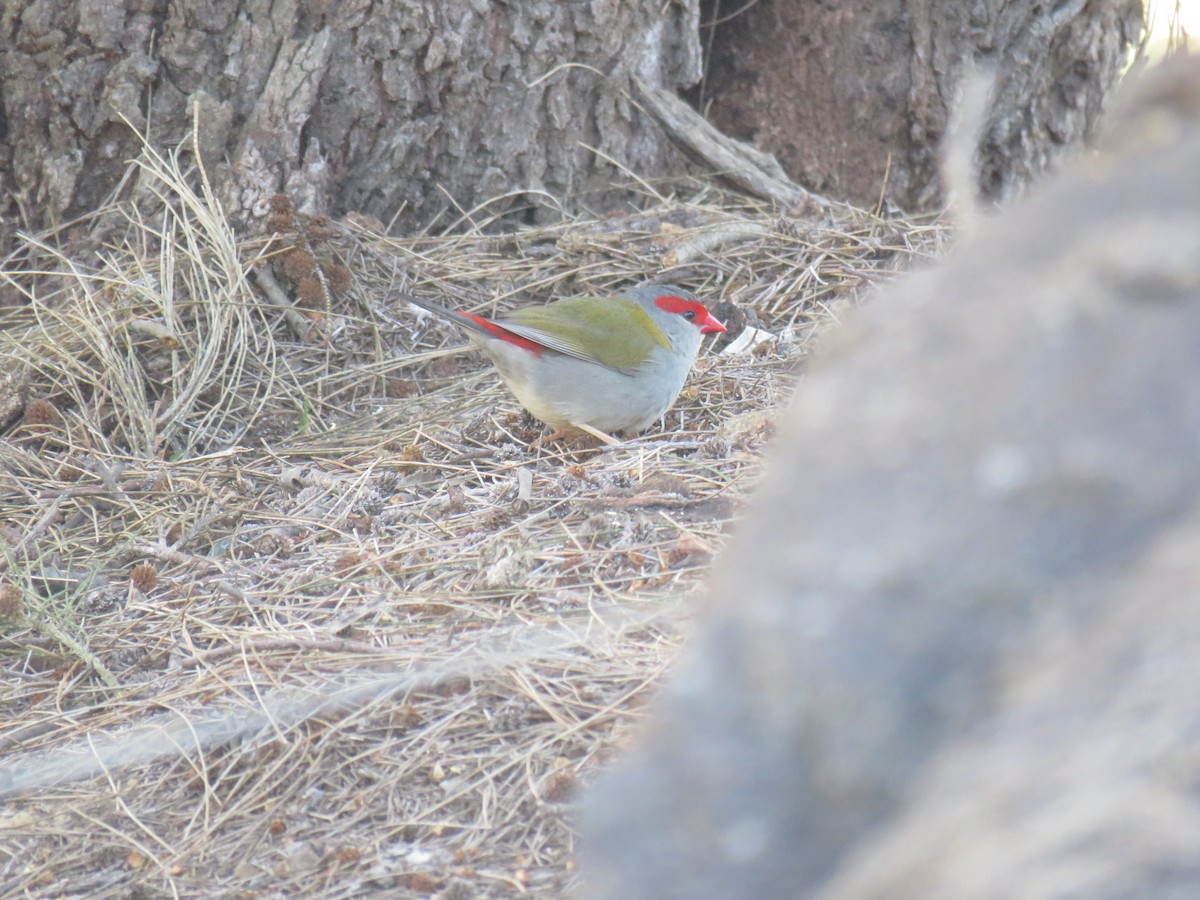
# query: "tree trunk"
418,113
414,112
854,96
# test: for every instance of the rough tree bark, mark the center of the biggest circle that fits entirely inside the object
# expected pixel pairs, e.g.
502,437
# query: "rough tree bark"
416,111
851,95
408,111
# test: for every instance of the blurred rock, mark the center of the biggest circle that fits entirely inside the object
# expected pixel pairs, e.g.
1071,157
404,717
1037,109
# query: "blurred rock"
953,651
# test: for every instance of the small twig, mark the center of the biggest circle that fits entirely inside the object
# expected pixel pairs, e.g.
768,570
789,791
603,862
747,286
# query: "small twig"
699,242
331,645
81,652
167,554
644,499
51,516
299,323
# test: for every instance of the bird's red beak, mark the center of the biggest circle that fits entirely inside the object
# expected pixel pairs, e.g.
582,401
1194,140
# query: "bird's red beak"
709,323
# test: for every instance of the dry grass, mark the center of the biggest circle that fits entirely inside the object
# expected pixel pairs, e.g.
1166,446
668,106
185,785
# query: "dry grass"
288,604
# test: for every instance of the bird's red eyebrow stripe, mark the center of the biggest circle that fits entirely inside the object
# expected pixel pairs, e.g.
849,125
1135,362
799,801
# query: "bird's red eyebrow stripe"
672,304
507,336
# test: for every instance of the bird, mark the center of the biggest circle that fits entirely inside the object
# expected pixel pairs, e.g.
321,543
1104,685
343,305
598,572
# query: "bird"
596,364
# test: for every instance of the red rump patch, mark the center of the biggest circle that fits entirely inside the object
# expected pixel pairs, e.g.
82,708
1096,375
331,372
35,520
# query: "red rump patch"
507,336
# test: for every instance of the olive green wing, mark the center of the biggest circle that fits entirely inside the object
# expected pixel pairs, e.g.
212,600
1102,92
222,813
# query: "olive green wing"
614,332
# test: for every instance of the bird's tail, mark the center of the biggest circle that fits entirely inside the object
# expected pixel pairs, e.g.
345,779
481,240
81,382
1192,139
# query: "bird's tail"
476,324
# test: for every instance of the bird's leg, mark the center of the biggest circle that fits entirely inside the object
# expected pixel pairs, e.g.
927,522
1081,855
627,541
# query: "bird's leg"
559,433
597,433
556,435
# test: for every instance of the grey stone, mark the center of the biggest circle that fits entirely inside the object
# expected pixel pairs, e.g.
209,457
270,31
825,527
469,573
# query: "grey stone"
954,649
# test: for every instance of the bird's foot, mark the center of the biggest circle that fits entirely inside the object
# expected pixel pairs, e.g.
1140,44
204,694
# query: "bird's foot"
597,433
575,431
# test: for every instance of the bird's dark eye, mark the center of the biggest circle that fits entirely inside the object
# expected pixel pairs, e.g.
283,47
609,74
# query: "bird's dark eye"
690,315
